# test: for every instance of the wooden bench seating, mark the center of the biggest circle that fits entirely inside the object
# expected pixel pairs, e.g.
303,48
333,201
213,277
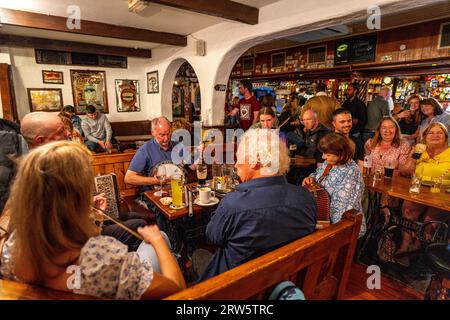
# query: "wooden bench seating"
319,264
115,163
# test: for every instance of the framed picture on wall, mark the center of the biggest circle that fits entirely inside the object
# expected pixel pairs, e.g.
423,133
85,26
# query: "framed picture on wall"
152,82
50,76
127,95
43,99
89,88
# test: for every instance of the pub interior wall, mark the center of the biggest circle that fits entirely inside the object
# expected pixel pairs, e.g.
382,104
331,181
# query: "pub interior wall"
28,74
227,41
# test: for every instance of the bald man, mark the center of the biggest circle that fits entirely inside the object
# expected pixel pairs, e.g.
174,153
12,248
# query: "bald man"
153,152
42,127
313,131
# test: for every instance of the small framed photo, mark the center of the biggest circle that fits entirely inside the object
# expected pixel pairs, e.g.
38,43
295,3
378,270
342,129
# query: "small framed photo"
45,99
152,82
50,76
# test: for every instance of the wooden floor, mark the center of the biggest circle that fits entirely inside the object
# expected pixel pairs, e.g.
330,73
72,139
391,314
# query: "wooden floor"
391,289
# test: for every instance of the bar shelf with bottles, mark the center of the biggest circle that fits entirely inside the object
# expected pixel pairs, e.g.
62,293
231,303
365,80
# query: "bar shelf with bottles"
435,85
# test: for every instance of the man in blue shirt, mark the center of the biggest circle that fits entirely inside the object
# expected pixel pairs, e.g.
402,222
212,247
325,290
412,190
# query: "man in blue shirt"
156,150
265,212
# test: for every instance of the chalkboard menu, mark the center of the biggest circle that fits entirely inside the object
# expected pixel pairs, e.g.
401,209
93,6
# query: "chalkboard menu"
355,50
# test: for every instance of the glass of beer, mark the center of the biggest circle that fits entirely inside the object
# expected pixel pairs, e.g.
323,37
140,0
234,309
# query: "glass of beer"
176,184
389,167
202,173
367,165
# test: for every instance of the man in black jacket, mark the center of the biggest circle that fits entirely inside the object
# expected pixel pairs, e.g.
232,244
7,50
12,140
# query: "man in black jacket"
12,145
357,108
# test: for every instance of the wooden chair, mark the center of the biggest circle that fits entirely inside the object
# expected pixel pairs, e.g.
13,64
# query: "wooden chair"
319,264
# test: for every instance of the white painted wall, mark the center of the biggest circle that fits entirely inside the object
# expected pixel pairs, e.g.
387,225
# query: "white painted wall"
227,41
28,74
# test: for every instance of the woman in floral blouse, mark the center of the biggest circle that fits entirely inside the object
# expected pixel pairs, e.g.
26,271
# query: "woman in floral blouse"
387,146
55,240
344,182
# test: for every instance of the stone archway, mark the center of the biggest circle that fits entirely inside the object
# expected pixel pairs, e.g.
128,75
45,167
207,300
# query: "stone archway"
180,86
167,86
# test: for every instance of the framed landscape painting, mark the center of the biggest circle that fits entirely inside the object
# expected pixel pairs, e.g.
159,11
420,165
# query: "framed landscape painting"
89,88
127,95
43,99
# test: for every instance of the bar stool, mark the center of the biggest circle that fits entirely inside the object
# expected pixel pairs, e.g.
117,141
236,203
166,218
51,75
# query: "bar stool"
438,255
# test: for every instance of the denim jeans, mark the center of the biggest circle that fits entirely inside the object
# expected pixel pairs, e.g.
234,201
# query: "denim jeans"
146,252
94,146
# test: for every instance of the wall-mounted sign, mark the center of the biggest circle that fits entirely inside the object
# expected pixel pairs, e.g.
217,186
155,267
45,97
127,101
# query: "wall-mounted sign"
355,50
220,87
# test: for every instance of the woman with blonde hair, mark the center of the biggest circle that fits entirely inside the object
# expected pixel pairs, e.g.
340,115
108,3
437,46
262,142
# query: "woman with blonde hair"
434,163
53,227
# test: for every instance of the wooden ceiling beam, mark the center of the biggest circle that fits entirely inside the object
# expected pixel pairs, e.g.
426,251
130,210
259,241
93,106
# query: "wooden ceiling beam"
219,8
71,46
91,28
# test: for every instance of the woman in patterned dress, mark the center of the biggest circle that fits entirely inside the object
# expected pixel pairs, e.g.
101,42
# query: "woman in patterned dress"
344,182
53,231
387,146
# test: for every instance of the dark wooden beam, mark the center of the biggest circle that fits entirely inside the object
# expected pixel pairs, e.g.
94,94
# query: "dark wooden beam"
219,8
92,28
71,46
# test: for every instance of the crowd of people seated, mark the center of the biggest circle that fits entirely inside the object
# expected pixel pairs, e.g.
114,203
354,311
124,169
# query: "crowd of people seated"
56,220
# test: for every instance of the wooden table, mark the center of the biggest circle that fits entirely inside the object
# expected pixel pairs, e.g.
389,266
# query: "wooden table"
186,233
398,187
172,214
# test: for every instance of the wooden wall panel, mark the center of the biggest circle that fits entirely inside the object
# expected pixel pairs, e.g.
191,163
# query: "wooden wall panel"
118,164
421,41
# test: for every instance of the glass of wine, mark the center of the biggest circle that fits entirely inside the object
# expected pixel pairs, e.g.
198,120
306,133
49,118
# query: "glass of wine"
161,176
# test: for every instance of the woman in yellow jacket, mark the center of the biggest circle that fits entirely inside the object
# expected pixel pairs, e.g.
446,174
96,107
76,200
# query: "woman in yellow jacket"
434,163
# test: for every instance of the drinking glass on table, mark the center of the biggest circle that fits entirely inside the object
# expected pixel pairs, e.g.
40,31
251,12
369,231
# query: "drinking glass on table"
436,185
389,167
161,176
176,183
367,165
202,173
414,186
